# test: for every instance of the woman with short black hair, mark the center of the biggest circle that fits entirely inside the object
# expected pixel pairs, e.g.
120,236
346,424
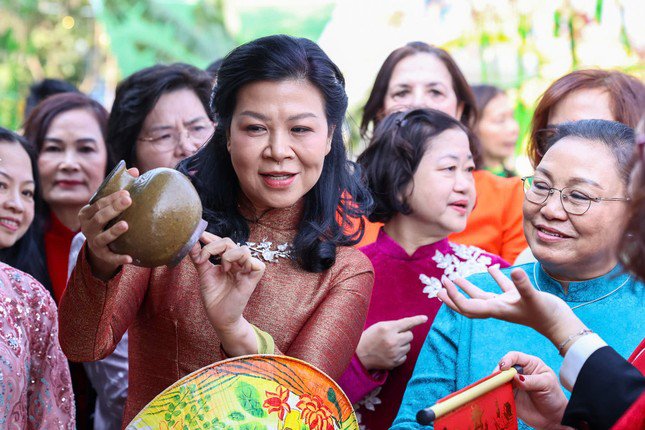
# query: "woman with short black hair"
419,166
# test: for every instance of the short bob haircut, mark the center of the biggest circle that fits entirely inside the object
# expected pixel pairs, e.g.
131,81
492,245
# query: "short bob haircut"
616,136
24,254
335,203
373,110
626,94
41,118
394,153
137,95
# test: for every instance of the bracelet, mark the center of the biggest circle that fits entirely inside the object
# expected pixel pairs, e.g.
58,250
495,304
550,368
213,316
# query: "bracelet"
582,332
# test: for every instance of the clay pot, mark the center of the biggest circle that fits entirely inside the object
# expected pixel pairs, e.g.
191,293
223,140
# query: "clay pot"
164,219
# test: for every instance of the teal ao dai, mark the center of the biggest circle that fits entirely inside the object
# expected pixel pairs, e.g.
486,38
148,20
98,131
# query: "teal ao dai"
459,351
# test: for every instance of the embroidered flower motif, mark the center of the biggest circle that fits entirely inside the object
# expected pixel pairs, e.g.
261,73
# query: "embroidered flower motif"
371,400
466,261
316,415
432,285
264,250
277,402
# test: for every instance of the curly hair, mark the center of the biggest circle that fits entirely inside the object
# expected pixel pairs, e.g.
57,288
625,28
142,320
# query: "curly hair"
395,152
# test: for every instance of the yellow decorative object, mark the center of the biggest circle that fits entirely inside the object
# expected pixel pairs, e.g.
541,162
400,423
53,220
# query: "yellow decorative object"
255,392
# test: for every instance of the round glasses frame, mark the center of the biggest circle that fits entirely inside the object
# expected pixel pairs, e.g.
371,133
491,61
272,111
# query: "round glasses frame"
175,138
573,202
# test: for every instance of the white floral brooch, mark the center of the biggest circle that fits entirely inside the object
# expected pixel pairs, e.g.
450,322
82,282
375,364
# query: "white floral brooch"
264,251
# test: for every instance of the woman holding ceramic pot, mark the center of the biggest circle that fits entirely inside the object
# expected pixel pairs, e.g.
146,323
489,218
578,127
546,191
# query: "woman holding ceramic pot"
496,129
419,166
274,173
158,118
566,201
35,385
418,75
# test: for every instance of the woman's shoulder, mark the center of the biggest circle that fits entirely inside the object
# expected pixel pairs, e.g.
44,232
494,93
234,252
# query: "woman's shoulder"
474,254
351,260
24,285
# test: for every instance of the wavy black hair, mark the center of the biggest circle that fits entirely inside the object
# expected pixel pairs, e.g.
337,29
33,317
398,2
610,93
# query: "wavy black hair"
137,95
395,151
25,254
334,206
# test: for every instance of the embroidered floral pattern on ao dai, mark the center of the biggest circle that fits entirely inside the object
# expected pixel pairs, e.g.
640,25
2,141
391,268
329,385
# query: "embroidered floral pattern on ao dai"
466,261
35,386
404,285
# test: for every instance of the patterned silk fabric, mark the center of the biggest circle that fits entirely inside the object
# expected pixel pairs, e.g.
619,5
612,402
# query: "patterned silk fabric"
35,386
317,317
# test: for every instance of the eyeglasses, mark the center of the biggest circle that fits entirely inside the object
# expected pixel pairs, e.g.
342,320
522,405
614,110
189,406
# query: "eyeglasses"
166,140
573,201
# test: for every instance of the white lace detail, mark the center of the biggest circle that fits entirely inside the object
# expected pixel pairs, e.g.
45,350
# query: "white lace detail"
264,250
465,261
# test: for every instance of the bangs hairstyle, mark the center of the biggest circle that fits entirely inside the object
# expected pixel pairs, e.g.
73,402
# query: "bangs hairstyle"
394,153
615,136
38,122
337,201
626,101
632,246
137,95
373,110
24,254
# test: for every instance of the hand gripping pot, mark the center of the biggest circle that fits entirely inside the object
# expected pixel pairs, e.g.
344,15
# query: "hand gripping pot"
164,220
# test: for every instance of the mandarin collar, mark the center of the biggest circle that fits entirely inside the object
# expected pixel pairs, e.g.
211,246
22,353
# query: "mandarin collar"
284,219
390,247
581,291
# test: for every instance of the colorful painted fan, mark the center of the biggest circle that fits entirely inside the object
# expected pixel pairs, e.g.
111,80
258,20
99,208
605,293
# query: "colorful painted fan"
254,392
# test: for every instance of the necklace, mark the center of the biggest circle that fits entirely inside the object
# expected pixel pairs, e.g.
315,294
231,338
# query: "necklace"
586,303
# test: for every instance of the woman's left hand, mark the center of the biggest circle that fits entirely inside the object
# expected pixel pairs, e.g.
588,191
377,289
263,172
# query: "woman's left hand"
226,287
539,400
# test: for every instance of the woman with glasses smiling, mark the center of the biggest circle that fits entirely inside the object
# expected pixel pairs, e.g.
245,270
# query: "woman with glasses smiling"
574,237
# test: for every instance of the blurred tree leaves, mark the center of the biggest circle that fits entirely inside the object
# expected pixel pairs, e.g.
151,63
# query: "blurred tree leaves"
35,43
148,32
65,39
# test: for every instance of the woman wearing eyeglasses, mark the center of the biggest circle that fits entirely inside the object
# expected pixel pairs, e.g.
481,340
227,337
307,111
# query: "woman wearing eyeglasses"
159,116
574,215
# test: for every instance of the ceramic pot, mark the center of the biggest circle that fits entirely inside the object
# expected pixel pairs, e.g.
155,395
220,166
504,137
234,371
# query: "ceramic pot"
164,220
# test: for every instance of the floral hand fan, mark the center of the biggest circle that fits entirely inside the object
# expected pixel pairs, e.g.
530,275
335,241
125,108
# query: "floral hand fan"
253,392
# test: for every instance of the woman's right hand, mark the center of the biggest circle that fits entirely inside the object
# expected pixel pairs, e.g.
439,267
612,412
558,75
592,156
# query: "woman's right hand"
93,220
540,401
385,345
